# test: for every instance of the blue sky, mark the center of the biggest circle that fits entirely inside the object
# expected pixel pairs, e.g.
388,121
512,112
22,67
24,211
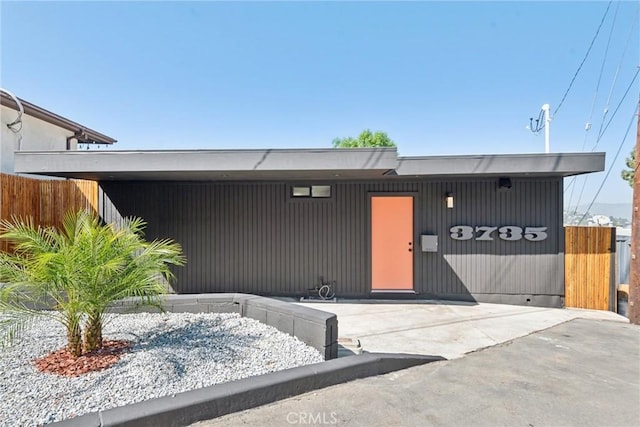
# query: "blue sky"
438,77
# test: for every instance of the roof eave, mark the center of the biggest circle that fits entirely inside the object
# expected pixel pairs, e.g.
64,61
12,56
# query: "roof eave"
83,133
210,164
552,164
312,164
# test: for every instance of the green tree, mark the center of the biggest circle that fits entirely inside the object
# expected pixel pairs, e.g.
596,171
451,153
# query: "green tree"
628,174
77,272
365,139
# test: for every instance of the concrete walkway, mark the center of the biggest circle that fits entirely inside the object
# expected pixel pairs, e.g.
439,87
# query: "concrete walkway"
443,328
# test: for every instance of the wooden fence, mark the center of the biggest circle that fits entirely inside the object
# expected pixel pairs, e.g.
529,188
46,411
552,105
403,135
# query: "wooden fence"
46,201
589,275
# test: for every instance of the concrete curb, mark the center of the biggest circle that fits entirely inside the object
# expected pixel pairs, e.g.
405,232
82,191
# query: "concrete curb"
210,402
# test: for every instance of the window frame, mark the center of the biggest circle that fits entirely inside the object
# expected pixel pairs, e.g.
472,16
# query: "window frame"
310,198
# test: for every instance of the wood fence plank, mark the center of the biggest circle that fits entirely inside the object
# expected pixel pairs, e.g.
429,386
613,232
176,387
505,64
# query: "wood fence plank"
46,201
588,267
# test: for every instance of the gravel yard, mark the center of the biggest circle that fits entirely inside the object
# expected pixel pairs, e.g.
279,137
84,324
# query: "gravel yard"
171,353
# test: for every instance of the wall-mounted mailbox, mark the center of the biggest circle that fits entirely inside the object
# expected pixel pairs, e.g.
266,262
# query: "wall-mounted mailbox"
429,243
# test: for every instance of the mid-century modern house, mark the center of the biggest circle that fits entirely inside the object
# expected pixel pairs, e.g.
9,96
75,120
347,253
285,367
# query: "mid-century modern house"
270,222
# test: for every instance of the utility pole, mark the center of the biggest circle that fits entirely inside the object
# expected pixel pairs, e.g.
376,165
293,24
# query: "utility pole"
547,124
634,281
546,118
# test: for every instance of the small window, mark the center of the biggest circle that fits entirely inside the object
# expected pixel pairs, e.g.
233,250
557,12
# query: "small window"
301,192
321,191
311,191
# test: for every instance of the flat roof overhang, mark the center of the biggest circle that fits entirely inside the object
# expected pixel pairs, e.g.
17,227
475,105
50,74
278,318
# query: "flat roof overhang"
551,164
298,164
209,165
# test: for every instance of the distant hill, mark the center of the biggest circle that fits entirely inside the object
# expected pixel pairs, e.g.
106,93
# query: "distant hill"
618,210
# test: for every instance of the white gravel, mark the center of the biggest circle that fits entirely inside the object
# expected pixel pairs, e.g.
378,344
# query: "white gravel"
172,353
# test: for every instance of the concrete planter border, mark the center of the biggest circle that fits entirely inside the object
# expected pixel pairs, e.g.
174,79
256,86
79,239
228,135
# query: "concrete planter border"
313,327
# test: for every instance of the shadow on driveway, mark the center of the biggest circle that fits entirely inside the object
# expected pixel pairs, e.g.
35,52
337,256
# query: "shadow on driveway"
579,373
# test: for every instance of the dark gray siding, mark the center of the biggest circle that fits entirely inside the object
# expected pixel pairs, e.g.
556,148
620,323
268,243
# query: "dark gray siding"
251,237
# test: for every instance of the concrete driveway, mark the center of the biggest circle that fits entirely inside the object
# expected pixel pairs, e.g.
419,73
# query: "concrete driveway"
579,373
443,328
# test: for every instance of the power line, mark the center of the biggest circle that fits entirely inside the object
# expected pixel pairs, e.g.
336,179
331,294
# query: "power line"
587,127
574,181
602,129
573,79
604,61
570,184
615,77
624,138
584,183
635,76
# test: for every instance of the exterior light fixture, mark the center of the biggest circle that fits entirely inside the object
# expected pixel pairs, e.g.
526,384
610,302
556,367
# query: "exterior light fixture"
449,200
504,184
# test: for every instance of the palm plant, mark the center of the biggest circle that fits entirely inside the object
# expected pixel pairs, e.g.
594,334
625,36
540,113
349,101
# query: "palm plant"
37,276
78,272
118,264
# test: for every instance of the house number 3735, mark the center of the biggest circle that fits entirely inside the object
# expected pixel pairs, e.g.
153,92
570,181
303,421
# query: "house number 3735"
506,232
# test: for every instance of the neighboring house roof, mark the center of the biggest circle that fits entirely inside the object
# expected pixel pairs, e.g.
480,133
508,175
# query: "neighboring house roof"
299,164
82,133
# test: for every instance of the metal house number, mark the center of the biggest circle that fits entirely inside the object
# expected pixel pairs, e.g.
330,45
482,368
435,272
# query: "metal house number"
506,232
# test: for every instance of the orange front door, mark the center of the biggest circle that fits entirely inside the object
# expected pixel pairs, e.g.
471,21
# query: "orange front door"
392,243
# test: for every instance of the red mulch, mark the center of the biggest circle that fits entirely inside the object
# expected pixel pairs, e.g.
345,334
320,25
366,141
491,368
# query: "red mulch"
62,362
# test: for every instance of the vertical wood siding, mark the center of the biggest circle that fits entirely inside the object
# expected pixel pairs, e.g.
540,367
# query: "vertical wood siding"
589,267
252,237
46,201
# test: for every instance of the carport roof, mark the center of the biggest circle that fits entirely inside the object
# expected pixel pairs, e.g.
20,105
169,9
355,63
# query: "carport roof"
293,164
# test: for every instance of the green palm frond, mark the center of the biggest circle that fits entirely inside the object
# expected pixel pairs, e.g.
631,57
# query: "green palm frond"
27,238
12,327
81,269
